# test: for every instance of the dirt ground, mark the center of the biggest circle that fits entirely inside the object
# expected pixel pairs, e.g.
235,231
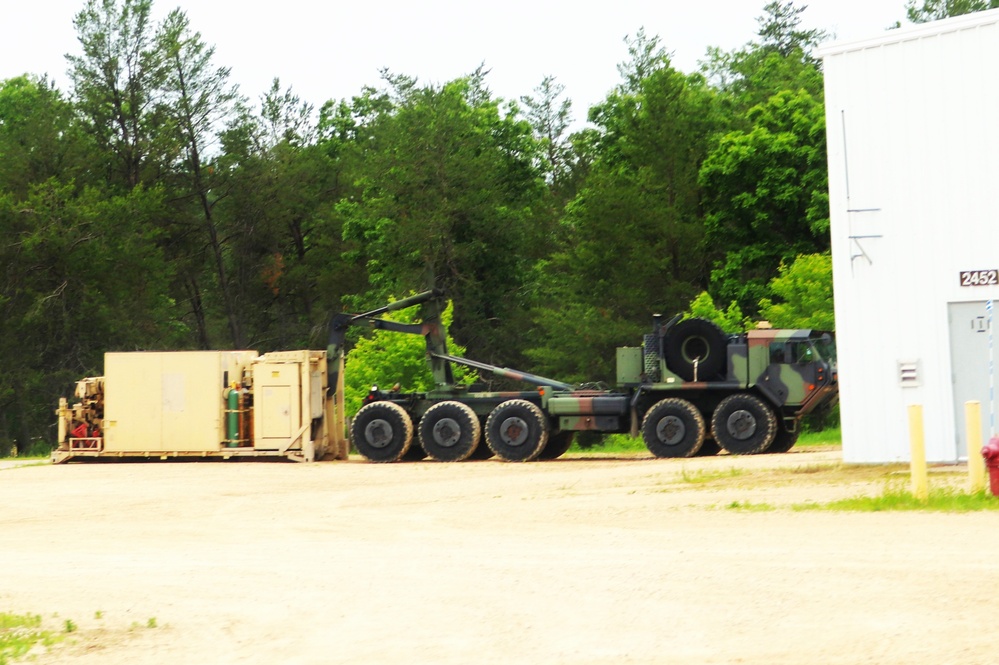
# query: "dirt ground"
628,560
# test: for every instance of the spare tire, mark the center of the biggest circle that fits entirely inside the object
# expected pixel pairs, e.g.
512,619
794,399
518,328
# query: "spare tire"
696,341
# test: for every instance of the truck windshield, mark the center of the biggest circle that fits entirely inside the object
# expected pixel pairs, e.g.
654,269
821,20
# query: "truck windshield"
825,347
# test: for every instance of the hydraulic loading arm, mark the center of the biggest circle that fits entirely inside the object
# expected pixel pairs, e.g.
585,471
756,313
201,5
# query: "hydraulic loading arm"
431,328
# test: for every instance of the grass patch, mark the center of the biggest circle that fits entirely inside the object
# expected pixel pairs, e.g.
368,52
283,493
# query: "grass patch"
832,436
19,633
897,497
702,476
811,474
39,462
38,449
595,443
750,507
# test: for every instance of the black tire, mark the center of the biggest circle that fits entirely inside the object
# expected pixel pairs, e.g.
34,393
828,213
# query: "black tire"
783,441
673,428
558,444
449,431
700,340
708,448
516,431
382,432
743,424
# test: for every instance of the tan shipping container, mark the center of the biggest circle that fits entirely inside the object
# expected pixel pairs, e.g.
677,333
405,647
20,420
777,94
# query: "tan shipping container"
168,401
206,404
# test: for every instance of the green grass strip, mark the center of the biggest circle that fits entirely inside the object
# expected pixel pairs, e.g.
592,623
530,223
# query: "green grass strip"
898,498
19,633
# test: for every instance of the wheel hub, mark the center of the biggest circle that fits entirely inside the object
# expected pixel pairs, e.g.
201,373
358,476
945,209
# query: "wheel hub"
378,433
695,348
513,431
446,432
670,430
741,424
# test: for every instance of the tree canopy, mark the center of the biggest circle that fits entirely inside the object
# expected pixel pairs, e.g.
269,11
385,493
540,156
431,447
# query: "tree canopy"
154,205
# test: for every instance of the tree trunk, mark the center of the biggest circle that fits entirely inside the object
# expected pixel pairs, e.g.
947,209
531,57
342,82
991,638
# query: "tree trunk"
5,440
201,190
198,309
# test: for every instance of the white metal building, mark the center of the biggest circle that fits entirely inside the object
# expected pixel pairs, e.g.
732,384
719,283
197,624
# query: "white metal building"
913,137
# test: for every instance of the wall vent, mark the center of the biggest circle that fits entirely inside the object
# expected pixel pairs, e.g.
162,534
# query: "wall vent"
908,373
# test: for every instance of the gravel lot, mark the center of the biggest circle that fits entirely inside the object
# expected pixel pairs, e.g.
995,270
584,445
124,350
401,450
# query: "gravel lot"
596,560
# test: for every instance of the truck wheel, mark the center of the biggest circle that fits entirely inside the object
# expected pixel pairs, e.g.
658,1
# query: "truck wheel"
673,428
516,431
382,431
697,340
558,444
743,424
783,441
449,431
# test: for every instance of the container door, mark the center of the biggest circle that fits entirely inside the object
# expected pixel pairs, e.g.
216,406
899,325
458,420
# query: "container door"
969,356
277,398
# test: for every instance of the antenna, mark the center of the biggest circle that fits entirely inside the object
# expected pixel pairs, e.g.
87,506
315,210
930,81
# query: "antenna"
857,250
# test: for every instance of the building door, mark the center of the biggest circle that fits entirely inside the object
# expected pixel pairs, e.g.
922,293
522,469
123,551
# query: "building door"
969,357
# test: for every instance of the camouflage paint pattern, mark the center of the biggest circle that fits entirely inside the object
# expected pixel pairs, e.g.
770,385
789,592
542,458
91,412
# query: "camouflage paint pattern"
592,423
792,373
594,410
750,364
587,403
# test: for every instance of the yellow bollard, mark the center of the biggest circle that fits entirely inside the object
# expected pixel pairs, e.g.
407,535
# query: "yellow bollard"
976,465
917,466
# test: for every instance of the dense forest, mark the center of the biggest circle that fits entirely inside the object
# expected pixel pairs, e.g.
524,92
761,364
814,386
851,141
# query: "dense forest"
153,206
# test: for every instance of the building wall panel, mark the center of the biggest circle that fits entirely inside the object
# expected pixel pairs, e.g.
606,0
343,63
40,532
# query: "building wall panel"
913,154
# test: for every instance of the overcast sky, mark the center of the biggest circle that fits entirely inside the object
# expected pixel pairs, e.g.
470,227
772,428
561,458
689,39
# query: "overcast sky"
330,49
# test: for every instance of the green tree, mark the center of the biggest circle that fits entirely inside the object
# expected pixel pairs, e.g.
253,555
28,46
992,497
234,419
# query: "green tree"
82,275
633,234
730,319
287,119
923,11
550,116
781,59
116,84
804,292
198,99
291,265
449,193
780,30
40,136
766,195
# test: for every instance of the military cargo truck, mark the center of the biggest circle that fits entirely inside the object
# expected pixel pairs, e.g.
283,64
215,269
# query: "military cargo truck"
690,389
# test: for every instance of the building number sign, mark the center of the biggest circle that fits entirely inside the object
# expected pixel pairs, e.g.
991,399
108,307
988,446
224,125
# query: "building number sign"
979,277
